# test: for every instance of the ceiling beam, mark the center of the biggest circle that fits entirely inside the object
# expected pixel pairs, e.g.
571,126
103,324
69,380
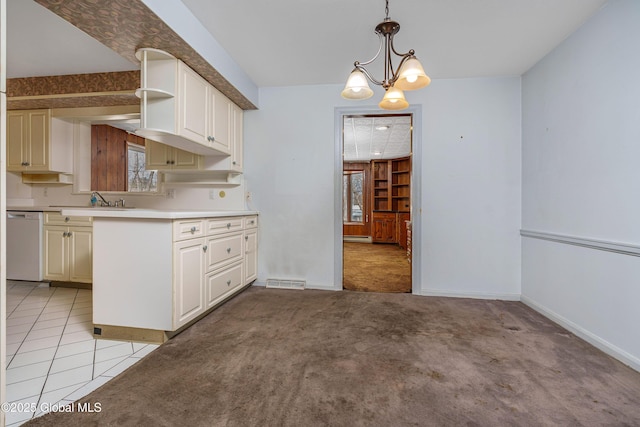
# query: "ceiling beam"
125,26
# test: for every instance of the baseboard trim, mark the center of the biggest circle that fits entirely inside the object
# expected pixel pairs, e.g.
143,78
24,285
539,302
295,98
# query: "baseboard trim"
473,295
123,333
612,350
585,242
308,286
357,239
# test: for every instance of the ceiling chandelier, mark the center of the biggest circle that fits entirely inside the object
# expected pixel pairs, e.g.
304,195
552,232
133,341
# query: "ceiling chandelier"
408,76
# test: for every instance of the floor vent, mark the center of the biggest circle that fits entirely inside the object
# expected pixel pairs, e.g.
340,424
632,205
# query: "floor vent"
285,284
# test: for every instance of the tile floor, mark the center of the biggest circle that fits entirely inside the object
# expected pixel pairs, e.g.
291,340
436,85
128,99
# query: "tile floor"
52,357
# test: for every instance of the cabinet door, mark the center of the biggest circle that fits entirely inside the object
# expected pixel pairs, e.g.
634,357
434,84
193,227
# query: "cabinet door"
188,279
236,138
56,265
383,228
185,160
16,140
194,104
39,122
220,121
80,254
250,255
157,156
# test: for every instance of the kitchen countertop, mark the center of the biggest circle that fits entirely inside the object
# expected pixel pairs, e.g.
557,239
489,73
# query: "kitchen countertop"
35,208
135,213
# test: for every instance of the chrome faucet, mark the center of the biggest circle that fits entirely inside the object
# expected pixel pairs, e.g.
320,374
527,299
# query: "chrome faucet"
103,201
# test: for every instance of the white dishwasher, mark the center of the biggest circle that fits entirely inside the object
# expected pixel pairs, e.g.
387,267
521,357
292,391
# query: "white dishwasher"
24,245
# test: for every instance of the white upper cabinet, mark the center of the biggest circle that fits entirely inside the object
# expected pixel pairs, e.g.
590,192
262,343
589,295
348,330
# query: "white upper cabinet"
219,123
194,105
181,109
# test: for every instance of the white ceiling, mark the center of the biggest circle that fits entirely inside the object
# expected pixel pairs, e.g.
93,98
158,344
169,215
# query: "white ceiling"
40,43
299,42
376,137
306,42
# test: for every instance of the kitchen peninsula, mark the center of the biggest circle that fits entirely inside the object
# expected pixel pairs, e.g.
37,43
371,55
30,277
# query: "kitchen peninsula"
155,272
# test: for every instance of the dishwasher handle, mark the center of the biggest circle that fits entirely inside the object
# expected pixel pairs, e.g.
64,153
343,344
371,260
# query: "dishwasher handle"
24,215
16,215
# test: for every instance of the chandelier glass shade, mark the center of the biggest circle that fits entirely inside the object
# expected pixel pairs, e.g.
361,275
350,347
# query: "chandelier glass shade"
393,100
409,75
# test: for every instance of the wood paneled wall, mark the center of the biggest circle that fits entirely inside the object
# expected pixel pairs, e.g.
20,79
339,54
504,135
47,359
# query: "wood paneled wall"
108,158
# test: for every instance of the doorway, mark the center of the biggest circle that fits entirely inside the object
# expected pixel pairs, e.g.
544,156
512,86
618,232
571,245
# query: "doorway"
376,202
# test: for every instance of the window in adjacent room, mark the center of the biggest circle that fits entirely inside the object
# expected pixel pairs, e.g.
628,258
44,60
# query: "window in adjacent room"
353,199
138,177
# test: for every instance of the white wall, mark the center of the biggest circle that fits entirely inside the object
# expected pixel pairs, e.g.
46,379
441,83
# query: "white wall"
470,187
581,133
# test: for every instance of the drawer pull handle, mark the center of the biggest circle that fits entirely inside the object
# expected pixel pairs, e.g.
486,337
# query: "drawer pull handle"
204,248
64,234
228,282
193,230
253,221
246,238
66,219
69,234
228,250
228,225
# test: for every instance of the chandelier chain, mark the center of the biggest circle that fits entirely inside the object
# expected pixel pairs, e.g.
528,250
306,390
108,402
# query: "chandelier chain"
386,9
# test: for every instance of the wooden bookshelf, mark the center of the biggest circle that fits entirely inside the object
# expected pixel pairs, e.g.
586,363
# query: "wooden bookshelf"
401,185
391,195
381,187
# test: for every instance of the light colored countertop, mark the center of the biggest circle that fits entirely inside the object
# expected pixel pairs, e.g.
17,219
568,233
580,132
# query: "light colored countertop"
35,208
149,213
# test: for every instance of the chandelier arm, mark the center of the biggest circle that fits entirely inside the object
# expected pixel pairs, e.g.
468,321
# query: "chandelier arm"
380,36
369,76
410,53
390,79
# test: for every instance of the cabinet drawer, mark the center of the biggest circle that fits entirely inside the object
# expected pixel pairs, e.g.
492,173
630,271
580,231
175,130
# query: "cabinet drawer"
223,250
220,283
55,218
224,225
188,229
251,221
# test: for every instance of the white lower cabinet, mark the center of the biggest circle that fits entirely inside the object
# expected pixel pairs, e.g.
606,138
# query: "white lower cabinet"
250,248
162,274
188,279
208,269
68,248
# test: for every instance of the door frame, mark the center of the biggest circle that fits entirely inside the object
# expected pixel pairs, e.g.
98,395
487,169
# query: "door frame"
416,190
